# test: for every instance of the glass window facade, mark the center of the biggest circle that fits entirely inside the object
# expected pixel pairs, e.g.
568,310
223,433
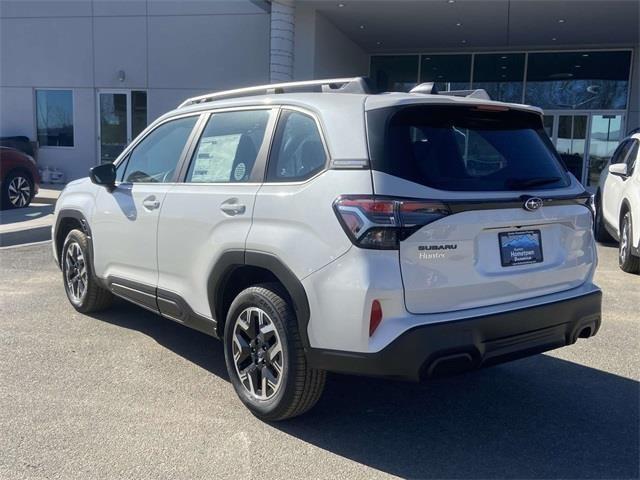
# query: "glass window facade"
449,72
501,75
54,118
394,73
578,80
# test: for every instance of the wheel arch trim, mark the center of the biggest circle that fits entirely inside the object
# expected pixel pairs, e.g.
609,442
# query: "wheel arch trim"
64,214
230,260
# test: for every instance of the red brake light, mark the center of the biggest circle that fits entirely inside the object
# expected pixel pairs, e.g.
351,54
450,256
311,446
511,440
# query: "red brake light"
376,316
383,222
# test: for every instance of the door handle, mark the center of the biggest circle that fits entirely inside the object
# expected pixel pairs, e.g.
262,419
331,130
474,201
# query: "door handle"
150,203
232,208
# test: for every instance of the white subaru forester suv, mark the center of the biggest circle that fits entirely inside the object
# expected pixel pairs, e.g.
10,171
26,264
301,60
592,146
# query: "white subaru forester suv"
618,203
318,227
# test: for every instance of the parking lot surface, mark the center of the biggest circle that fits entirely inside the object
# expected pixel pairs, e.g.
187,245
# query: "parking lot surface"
127,394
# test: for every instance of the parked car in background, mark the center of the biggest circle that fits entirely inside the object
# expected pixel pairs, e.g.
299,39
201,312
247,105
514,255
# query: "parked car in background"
19,178
618,203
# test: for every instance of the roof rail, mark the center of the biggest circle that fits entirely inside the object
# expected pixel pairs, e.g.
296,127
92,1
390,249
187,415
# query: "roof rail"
429,88
335,85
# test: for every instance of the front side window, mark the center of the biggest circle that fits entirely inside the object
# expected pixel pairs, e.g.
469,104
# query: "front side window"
54,118
229,146
155,158
297,153
464,148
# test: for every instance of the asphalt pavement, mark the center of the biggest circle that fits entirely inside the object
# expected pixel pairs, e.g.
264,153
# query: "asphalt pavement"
126,394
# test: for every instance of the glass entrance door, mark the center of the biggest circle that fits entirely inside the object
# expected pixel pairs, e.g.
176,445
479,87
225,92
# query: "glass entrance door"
571,142
605,133
122,115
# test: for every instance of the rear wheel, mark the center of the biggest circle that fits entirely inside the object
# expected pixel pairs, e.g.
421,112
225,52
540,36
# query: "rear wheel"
265,358
81,286
599,230
628,262
17,190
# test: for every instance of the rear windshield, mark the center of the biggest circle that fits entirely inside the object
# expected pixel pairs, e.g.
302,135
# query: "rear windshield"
464,148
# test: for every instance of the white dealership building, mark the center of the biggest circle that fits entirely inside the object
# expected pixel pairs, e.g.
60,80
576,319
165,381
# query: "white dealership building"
83,77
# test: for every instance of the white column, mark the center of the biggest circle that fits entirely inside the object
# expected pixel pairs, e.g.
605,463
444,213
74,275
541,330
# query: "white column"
282,40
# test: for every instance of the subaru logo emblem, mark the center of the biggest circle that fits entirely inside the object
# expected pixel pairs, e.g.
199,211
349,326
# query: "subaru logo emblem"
532,204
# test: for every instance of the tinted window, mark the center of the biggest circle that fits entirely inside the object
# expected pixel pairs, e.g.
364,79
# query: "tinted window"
155,158
394,73
297,152
449,72
578,80
501,75
54,118
462,148
228,147
621,152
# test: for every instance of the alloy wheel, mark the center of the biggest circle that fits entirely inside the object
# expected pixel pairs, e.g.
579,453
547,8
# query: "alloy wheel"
257,353
19,191
75,272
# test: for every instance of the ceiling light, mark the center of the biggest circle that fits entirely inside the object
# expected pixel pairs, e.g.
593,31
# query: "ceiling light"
427,58
561,20
451,1
503,57
504,67
341,5
361,27
378,43
463,41
554,39
458,24
577,66
439,76
503,76
585,54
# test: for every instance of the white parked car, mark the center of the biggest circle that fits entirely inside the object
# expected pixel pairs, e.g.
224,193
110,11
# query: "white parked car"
618,203
318,227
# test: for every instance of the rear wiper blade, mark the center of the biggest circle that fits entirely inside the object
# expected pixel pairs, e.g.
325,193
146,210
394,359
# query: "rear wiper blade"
530,182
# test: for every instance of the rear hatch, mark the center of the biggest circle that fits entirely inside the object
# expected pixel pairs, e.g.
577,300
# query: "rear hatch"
511,223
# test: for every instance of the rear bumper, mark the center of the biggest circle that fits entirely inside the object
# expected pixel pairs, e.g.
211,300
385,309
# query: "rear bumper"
456,346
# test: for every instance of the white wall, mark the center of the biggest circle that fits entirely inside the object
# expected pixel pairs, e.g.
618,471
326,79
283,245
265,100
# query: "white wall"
336,55
321,50
174,49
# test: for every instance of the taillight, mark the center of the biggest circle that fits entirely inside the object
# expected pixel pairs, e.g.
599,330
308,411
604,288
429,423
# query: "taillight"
383,222
375,317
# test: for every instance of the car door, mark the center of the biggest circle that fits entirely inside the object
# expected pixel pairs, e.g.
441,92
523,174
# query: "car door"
210,211
613,186
125,222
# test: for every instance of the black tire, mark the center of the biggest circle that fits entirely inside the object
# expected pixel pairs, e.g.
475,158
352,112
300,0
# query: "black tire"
12,198
599,231
627,261
94,298
299,386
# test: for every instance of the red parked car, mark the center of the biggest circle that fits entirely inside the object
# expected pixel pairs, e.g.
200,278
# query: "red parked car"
19,178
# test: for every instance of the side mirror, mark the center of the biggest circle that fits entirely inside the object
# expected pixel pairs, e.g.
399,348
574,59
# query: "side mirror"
104,175
619,169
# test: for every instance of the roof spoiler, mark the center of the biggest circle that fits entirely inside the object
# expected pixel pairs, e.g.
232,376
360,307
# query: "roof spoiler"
335,85
429,88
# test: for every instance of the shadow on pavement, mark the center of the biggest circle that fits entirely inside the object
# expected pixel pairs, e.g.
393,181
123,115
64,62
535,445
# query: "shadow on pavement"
541,417
19,215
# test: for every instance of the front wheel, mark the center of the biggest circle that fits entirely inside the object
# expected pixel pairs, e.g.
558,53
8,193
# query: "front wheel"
628,262
81,286
265,358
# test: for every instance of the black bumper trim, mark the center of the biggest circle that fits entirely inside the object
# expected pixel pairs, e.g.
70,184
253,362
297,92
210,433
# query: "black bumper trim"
460,345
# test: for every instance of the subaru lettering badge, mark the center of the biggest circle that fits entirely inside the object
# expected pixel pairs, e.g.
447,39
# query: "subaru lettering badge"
532,204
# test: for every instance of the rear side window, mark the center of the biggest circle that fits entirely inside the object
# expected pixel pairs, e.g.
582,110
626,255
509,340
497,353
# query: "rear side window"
632,157
228,148
297,152
464,148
